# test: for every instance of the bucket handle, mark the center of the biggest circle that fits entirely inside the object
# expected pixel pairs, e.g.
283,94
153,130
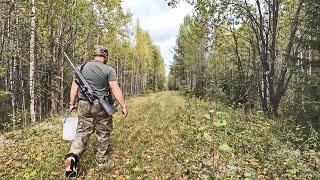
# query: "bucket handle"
66,116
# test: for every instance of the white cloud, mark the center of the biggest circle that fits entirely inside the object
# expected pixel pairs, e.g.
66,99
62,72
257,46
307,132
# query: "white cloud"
161,21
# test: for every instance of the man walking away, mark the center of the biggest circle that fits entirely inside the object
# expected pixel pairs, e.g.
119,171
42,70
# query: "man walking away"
92,118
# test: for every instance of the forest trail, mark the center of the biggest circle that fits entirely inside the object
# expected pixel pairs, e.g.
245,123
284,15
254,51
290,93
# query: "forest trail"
145,142
165,136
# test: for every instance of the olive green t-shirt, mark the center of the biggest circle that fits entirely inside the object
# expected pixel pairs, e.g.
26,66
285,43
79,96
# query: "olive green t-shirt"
98,75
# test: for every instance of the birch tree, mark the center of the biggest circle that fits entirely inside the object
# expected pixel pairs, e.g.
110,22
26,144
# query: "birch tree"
34,77
32,62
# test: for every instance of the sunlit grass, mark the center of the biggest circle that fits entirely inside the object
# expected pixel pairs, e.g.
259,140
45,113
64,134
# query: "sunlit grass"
168,136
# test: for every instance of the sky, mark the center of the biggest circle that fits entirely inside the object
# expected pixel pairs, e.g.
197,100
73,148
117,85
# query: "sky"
161,21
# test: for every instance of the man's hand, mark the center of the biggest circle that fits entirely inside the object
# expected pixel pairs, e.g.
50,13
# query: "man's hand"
72,107
124,112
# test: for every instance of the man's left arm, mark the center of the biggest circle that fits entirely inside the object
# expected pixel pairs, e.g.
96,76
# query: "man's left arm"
116,91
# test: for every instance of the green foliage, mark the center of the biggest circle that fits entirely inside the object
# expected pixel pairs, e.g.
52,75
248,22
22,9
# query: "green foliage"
240,145
207,137
2,71
237,65
150,62
74,27
178,143
225,147
303,100
207,116
219,93
188,68
220,123
4,94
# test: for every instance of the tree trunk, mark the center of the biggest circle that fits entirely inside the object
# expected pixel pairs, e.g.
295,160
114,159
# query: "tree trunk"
271,87
32,63
61,49
131,79
13,45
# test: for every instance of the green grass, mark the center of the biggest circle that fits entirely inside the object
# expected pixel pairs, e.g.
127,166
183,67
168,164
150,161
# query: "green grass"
168,136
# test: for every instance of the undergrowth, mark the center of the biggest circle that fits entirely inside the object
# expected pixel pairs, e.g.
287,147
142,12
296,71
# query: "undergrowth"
168,136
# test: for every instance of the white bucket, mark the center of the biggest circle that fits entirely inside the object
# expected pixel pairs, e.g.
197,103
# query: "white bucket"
69,128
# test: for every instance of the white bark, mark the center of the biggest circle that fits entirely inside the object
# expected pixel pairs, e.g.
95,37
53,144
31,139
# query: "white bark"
32,63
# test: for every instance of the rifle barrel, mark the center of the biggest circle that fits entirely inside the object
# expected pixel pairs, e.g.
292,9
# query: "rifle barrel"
69,60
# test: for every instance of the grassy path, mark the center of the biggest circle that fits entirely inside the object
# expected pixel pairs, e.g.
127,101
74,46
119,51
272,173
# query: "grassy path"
147,142
167,136
144,145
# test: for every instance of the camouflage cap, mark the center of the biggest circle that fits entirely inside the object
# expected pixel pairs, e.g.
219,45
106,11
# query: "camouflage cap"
100,51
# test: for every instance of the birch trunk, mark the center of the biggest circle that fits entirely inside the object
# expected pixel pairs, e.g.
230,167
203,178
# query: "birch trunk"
62,44
32,63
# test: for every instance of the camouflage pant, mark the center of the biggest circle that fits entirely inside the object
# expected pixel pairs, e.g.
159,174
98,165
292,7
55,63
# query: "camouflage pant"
92,118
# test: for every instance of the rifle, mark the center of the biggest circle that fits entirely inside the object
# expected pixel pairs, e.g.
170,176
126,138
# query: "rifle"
90,92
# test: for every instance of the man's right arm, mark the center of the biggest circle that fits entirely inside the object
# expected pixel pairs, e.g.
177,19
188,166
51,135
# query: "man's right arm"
73,95
116,91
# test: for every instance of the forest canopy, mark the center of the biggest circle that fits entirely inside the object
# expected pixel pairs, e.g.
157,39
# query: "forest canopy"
255,54
35,78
